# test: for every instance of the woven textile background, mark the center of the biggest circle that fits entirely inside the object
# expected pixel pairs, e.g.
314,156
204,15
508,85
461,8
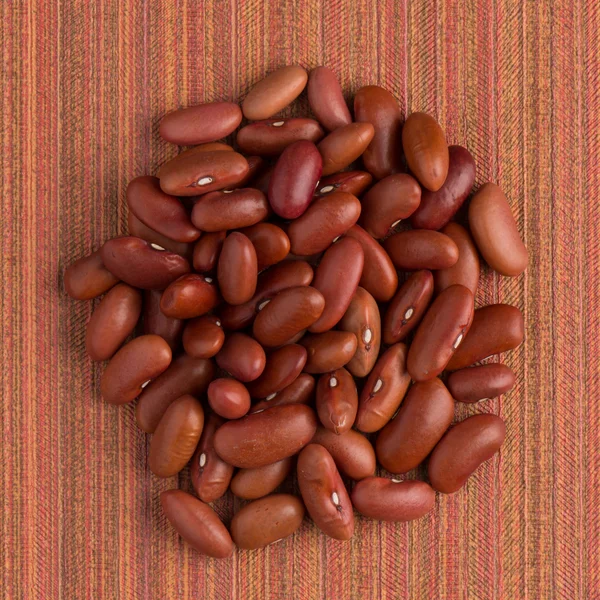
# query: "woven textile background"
84,84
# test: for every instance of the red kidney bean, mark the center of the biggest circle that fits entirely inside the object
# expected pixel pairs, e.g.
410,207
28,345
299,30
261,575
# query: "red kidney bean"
200,124
157,323
496,328
207,250
388,202
228,398
324,221
423,418
251,484
237,270
141,264
88,278
476,384
384,390
113,320
185,375
345,145
274,92
392,500
176,437
466,270
266,521
324,494
138,229
442,330
437,208
377,106
326,99
407,307
132,367
197,523
294,178
189,296
203,337
266,437
463,449
421,249
337,400
328,351
495,232
352,182
271,137
282,368
300,391
242,357
270,242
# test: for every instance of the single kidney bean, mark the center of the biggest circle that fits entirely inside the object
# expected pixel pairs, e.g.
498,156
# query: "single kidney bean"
345,145
363,320
228,398
88,278
197,523
132,367
324,221
159,211
242,357
426,150
351,451
388,202
203,337
466,270
337,400
324,494
185,375
421,249
495,232
189,296
237,269
157,323
210,475
266,520
300,391
207,250
326,99
460,452
274,92
270,242
272,137
266,437
407,307
496,328
291,311
352,182
251,484
377,106
200,124
176,437
423,418
392,500
294,178
384,390
138,229
480,383
196,172
282,368
437,208
113,321
142,265
442,330
328,351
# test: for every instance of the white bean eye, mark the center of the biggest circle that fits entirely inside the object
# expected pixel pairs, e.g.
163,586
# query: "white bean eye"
156,247
396,223
377,386
263,304
409,313
367,336
396,480
228,191
335,498
278,123
333,381
271,396
209,280
218,323
326,189
336,239
202,460
145,383
458,340
204,181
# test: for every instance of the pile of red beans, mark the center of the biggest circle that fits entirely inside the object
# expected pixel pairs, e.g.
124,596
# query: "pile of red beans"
274,329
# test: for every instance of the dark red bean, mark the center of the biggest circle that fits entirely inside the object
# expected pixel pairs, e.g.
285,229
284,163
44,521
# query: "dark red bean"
282,368
337,400
345,145
421,249
251,484
326,99
242,357
88,278
157,323
476,384
237,270
466,270
138,229
207,250
189,296
203,337
228,398
351,182
328,351
300,391
270,242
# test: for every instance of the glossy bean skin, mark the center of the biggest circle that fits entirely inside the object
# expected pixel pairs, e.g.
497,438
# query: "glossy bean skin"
466,269
139,361
476,384
392,500
495,231
437,208
113,320
138,229
426,150
159,211
203,337
228,398
242,357
363,320
300,391
237,269
251,484
352,182
328,351
207,250
176,437
373,104
142,265
423,418
408,306
421,249
337,400
282,368
443,329
324,493
88,278
270,242
185,375
189,296
326,219
197,523
266,521
345,145
266,437
496,328
200,124
389,201
337,278
463,449
326,99
157,323
384,390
